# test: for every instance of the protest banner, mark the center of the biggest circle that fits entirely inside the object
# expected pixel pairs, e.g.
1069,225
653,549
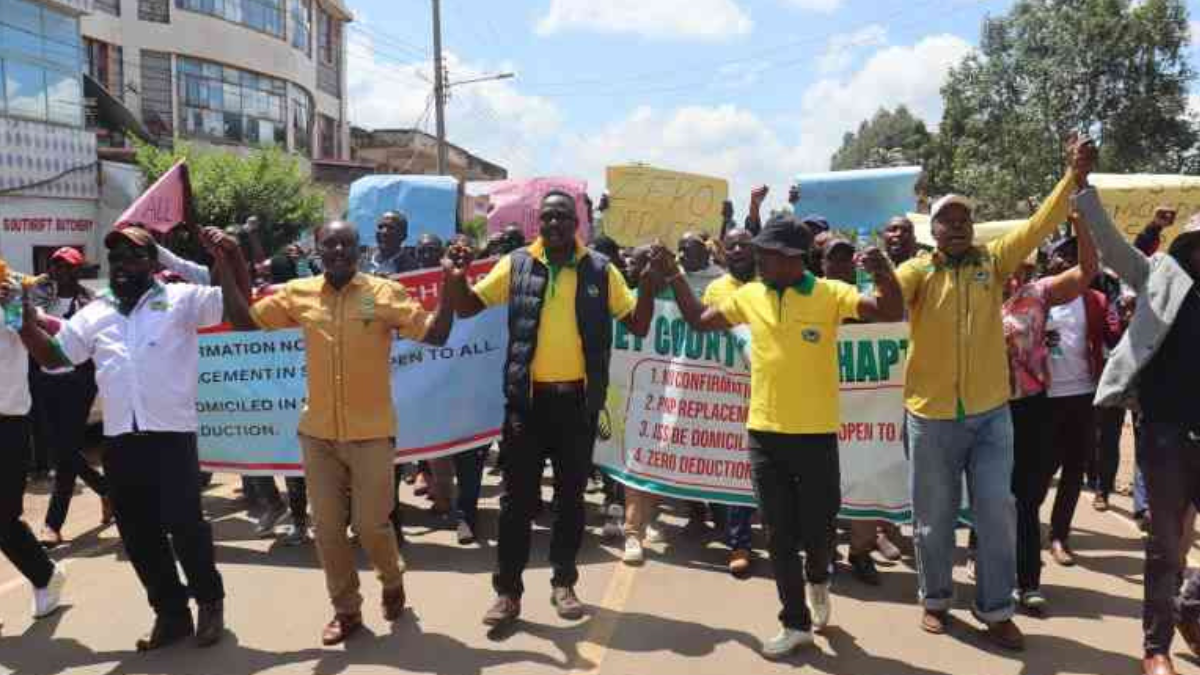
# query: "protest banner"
430,202
648,204
850,200
1130,200
252,389
519,202
674,423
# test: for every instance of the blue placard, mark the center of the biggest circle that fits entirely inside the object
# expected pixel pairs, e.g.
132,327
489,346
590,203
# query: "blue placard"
850,200
430,202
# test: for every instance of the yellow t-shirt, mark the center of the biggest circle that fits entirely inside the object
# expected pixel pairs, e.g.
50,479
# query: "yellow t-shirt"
720,290
793,352
559,353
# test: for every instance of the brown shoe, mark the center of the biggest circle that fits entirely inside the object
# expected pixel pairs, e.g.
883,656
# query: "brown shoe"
50,538
393,603
1190,632
167,630
504,610
567,603
210,624
935,621
1158,664
1062,553
739,562
1100,503
1005,635
340,628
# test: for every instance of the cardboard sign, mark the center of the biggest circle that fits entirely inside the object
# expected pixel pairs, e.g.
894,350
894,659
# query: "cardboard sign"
648,204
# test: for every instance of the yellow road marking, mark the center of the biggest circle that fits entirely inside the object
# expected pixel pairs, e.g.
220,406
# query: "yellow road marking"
594,646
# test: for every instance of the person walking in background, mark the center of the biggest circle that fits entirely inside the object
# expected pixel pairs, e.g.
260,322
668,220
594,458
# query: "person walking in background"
67,397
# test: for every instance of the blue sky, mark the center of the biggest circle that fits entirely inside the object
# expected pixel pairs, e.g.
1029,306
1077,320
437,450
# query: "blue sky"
750,90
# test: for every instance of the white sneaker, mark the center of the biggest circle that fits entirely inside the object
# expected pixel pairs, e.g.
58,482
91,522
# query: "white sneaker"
787,641
465,535
819,605
612,529
47,600
654,535
634,554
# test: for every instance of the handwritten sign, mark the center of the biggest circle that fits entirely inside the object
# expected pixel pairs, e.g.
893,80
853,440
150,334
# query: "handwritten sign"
648,204
1131,200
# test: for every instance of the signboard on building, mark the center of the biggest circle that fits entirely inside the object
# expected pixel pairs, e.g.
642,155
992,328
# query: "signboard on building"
32,227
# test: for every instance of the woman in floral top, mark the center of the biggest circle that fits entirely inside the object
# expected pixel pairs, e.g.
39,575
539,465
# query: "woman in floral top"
1025,311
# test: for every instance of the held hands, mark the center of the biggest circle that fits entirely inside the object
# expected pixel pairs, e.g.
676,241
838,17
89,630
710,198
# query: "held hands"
218,243
457,260
1082,153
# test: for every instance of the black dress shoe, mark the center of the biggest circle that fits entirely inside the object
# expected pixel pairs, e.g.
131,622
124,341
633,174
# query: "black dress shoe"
211,624
168,629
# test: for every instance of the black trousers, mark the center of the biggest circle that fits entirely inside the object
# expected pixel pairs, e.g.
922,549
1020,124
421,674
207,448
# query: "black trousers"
797,480
67,400
16,540
1034,464
1170,462
154,481
1074,420
1102,471
559,427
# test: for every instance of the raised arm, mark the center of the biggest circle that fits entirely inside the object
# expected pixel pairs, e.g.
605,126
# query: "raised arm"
37,340
888,304
229,261
1117,253
192,273
1065,287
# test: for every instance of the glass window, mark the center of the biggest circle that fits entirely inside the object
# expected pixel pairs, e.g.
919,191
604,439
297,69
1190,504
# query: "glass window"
302,26
65,98
25,89
301,120
230,104
261,15
61,45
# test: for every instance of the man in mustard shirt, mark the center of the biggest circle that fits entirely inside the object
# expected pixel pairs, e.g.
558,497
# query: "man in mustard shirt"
562,299
348,425
794,418
956,393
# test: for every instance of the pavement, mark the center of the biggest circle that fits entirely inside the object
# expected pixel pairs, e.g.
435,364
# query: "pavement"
679,613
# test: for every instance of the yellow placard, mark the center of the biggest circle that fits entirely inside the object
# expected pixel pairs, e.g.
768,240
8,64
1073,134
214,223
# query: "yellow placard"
648,204
1129,199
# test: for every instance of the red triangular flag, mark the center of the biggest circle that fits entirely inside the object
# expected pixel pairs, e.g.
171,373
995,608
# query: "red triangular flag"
166,204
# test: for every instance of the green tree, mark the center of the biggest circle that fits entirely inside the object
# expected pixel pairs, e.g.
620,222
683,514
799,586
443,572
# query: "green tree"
887,139
1051,67
228,188
476,229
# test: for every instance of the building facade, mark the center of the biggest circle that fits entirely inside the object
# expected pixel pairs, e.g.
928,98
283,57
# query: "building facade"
229,73
412,151
48,164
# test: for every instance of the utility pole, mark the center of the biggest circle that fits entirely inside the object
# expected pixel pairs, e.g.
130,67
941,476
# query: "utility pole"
439,89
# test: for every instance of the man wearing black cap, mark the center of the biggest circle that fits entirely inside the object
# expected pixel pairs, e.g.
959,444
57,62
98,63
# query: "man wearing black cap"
794,418
142,336
1155,368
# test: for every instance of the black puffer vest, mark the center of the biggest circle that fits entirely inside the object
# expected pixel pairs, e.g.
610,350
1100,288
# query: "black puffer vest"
529,280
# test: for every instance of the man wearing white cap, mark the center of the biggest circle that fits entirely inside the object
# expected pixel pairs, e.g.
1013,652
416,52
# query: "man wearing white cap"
956,394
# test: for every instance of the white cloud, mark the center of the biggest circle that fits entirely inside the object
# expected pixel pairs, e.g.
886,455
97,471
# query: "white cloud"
1194,29
841,48
493,120
703,19
824,6
742,74
908,75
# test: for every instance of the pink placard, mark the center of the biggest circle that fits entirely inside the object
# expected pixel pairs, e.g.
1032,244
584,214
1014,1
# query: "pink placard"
517,201
164,205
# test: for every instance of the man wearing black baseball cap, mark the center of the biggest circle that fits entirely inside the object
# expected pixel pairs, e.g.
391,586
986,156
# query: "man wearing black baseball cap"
794,418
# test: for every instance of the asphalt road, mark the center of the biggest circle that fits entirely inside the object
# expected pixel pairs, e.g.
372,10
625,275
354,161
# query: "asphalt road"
679,613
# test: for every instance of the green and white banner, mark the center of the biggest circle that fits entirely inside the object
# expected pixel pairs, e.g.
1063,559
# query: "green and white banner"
674,424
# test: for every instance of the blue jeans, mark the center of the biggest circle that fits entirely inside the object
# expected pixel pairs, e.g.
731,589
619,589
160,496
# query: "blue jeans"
980,446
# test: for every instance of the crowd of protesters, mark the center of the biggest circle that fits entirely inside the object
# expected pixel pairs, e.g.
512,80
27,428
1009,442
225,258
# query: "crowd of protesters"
1025,354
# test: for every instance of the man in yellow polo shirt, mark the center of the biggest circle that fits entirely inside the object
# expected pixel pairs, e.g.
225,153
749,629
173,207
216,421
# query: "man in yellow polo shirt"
562,299
347,428
794,418
956,393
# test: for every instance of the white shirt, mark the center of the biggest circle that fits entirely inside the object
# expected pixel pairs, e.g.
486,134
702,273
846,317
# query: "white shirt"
14,375
1070,372
146,363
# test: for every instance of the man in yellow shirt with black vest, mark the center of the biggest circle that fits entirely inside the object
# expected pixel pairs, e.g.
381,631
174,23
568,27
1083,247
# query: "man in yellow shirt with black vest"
956,393
794,418
562,299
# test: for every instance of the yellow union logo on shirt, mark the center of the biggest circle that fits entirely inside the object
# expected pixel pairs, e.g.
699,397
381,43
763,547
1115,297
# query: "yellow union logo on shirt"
158,306
811,335
367,307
